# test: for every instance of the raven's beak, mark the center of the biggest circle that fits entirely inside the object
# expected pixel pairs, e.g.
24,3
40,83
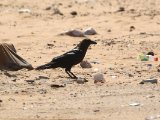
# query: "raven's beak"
93,42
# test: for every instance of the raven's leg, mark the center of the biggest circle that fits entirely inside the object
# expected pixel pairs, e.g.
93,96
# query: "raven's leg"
67,71
75,77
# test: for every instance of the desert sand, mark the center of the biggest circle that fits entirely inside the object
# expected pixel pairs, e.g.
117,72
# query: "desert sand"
125,28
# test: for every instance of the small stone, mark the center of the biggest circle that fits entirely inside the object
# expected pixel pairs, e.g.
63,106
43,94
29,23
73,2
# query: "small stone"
42,91
14,79
132,10
73,33
24,11
121,9
50,45
96,110
132,28
109,30
130,75
81,80
56,86
43,77
135,104
98,77
143,33
158,68
95,70
90,31
149,81
95,62
85,64
48,8
30,81
57,11
74,13
149,66
114,76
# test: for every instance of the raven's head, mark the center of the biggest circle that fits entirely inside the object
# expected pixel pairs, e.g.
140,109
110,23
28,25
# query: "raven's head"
85,43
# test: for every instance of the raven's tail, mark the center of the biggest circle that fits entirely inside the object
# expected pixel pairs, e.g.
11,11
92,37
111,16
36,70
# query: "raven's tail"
46,66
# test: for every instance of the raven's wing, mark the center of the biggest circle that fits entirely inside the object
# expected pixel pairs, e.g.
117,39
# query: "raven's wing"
71,57
66,60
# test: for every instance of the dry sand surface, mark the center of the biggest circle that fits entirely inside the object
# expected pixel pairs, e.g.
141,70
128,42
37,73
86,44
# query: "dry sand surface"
125,29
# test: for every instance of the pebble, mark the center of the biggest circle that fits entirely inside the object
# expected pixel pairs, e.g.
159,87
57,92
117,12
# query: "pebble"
109,30
85,64
42,91
90,31
81,80
42,77
24,11
57,11
132,28
73,33
14,79
114,76
95,70
98,77
95,62
48,8
30,81
74,13
135,104
96,110
56,86
121,9
149,81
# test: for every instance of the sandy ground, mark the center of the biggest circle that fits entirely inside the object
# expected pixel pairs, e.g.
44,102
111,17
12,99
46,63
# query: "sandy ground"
125,29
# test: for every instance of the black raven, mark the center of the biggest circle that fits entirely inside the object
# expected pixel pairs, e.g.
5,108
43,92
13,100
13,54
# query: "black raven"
69,59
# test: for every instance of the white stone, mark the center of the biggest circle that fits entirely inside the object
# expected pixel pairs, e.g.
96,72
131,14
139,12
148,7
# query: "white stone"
135,104
90,31
74,33
24,11
98,77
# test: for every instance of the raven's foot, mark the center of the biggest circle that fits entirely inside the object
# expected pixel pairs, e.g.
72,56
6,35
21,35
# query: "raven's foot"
74,77
71,75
